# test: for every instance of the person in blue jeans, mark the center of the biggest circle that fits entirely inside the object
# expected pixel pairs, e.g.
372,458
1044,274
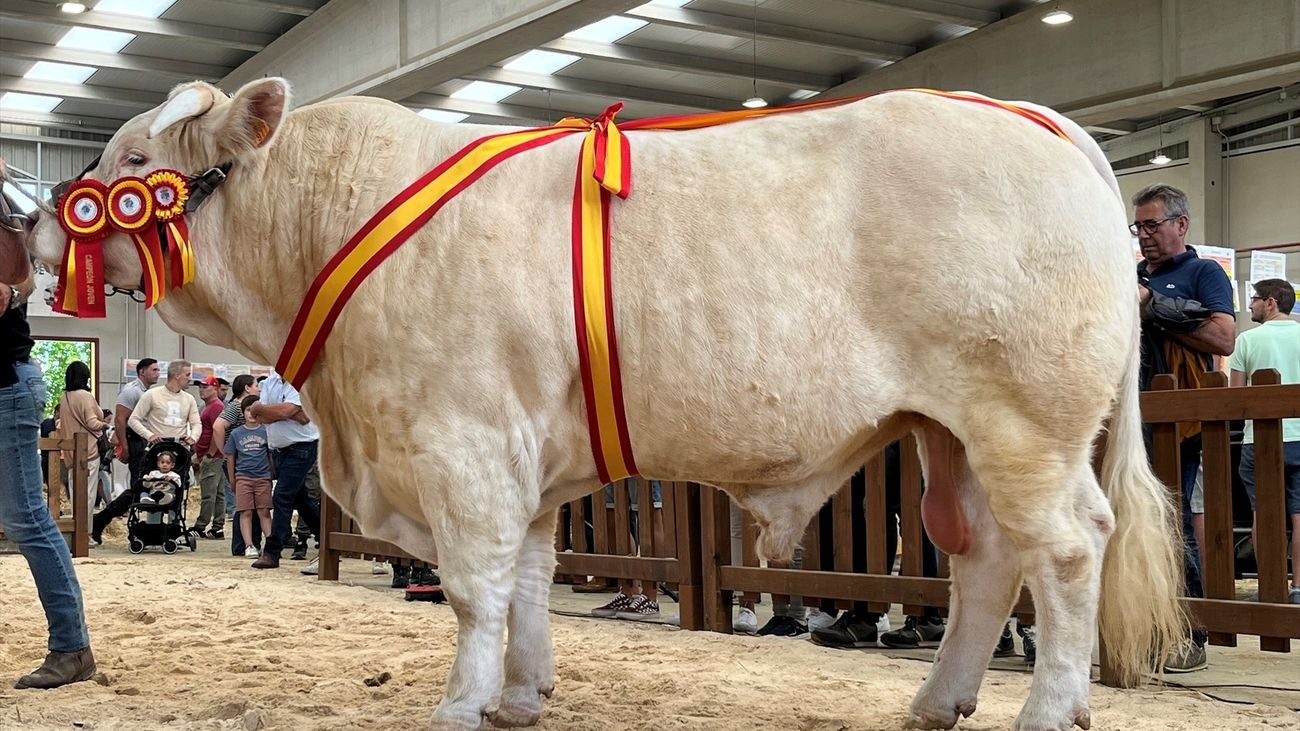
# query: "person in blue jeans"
293,440
24,516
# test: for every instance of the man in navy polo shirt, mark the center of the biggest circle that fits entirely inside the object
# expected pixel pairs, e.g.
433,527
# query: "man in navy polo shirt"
1187,320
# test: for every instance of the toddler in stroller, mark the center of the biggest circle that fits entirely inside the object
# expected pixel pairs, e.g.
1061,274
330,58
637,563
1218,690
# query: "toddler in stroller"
157,517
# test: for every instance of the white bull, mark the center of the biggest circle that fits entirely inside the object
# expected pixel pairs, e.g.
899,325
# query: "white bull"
792,293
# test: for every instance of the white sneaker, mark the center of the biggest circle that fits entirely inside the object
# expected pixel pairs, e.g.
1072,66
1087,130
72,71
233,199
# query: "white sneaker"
817,619
251,552
312,568
746,622
882,624
378,569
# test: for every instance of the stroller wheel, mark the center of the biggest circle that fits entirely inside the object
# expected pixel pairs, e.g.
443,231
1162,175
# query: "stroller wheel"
135,546
169,546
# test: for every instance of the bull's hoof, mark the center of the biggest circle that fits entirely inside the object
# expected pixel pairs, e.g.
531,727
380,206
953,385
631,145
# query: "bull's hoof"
1081,718
519,706
935,718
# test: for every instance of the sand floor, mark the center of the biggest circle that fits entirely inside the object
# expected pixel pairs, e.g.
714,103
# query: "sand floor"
200,641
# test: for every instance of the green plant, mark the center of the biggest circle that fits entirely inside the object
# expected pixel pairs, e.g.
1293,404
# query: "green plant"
55,355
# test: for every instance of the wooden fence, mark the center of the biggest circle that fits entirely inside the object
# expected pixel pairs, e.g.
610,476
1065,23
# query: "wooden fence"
75,528
696,553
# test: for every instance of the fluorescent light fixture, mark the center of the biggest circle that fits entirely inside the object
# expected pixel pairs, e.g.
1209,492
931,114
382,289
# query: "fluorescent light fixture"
754,102
1160,159
94,39
138,8
1057,17
484,91
64,73
606,31
541,62
72,8
802,94
442,115
15,102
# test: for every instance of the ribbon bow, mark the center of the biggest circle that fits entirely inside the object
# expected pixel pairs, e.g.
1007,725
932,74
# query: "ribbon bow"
610,149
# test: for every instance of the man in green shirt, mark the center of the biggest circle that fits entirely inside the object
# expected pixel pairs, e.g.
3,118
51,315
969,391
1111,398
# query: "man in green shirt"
1274,344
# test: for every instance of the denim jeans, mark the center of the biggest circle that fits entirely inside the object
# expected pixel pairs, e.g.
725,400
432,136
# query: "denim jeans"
25,516
291,467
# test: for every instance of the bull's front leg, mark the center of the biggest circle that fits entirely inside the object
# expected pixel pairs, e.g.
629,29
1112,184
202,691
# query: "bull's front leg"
530,660
479,527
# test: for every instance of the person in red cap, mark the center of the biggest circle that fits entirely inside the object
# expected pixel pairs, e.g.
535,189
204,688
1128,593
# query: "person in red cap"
210,463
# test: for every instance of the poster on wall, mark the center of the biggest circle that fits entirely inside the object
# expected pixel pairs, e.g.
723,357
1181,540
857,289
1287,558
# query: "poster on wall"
259,371
1267,265
199,371
1227,258
237,370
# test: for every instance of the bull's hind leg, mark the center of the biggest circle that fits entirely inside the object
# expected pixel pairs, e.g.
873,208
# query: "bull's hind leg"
479,524
1042,492
530,661
985,583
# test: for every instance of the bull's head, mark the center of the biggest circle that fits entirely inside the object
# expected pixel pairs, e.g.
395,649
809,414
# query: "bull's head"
196,129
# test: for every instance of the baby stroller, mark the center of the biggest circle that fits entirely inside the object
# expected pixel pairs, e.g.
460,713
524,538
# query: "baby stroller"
161,522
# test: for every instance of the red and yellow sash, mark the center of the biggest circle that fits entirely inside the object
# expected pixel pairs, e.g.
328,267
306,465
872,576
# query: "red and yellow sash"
604,168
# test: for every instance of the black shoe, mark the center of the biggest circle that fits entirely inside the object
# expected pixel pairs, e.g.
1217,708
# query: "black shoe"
1006,645
215,533
784,627
1030,640
915,631
97,538
299,552
850,630
401,577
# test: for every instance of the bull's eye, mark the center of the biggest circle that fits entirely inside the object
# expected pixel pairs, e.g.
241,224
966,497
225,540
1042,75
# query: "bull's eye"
134,158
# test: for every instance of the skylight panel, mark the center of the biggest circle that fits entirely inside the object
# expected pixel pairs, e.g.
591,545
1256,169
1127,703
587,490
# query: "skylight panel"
442,115
64,73
541,62
15,102
606,31
668,3
802,94
139,8
24,204
484,91
94,39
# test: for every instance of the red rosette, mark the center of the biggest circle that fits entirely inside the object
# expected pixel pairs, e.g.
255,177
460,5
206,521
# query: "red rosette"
170,191
130,204
83,210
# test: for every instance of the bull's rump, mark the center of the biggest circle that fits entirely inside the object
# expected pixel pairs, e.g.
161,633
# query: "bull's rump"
783,285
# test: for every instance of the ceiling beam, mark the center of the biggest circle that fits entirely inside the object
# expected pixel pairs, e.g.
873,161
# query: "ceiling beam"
59,141
746,28
689,63
180,70
128,98
609,89
212,35
496,110
273,7
935,10
1121,127
49,120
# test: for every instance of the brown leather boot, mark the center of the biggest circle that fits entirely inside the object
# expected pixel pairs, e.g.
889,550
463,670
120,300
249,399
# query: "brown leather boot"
267,561
60,668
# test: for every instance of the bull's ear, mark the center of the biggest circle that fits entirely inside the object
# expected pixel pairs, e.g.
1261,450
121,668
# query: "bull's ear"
185,103
252,117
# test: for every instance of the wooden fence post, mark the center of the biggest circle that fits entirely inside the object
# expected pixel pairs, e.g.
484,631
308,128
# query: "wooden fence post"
1270,515
331,516
1217,553
690,569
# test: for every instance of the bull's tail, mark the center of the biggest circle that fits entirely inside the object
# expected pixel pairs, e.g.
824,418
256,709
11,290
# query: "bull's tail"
1142,577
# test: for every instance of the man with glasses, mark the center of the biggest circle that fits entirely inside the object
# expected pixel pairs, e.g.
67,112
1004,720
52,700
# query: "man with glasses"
1187,320
1274,344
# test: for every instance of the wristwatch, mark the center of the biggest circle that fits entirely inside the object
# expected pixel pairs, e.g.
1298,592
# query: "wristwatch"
15,298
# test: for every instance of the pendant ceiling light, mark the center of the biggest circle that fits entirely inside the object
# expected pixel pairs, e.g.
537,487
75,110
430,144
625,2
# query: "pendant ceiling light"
755,101
1160,157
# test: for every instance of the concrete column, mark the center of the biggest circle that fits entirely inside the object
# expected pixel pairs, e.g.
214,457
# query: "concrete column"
1205,184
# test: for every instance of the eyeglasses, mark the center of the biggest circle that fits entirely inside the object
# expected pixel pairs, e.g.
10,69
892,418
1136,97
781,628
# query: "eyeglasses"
1149,227
1257,298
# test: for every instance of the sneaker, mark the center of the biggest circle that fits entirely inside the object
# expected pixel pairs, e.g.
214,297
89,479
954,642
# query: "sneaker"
146,500
378,569
251,552
850,630
1188,658
1029,638
882,623
312,568
401,577
299,552
915,631
620,602
817,619
746,622
1006,643
784,627
1295,595
215,534
639,608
